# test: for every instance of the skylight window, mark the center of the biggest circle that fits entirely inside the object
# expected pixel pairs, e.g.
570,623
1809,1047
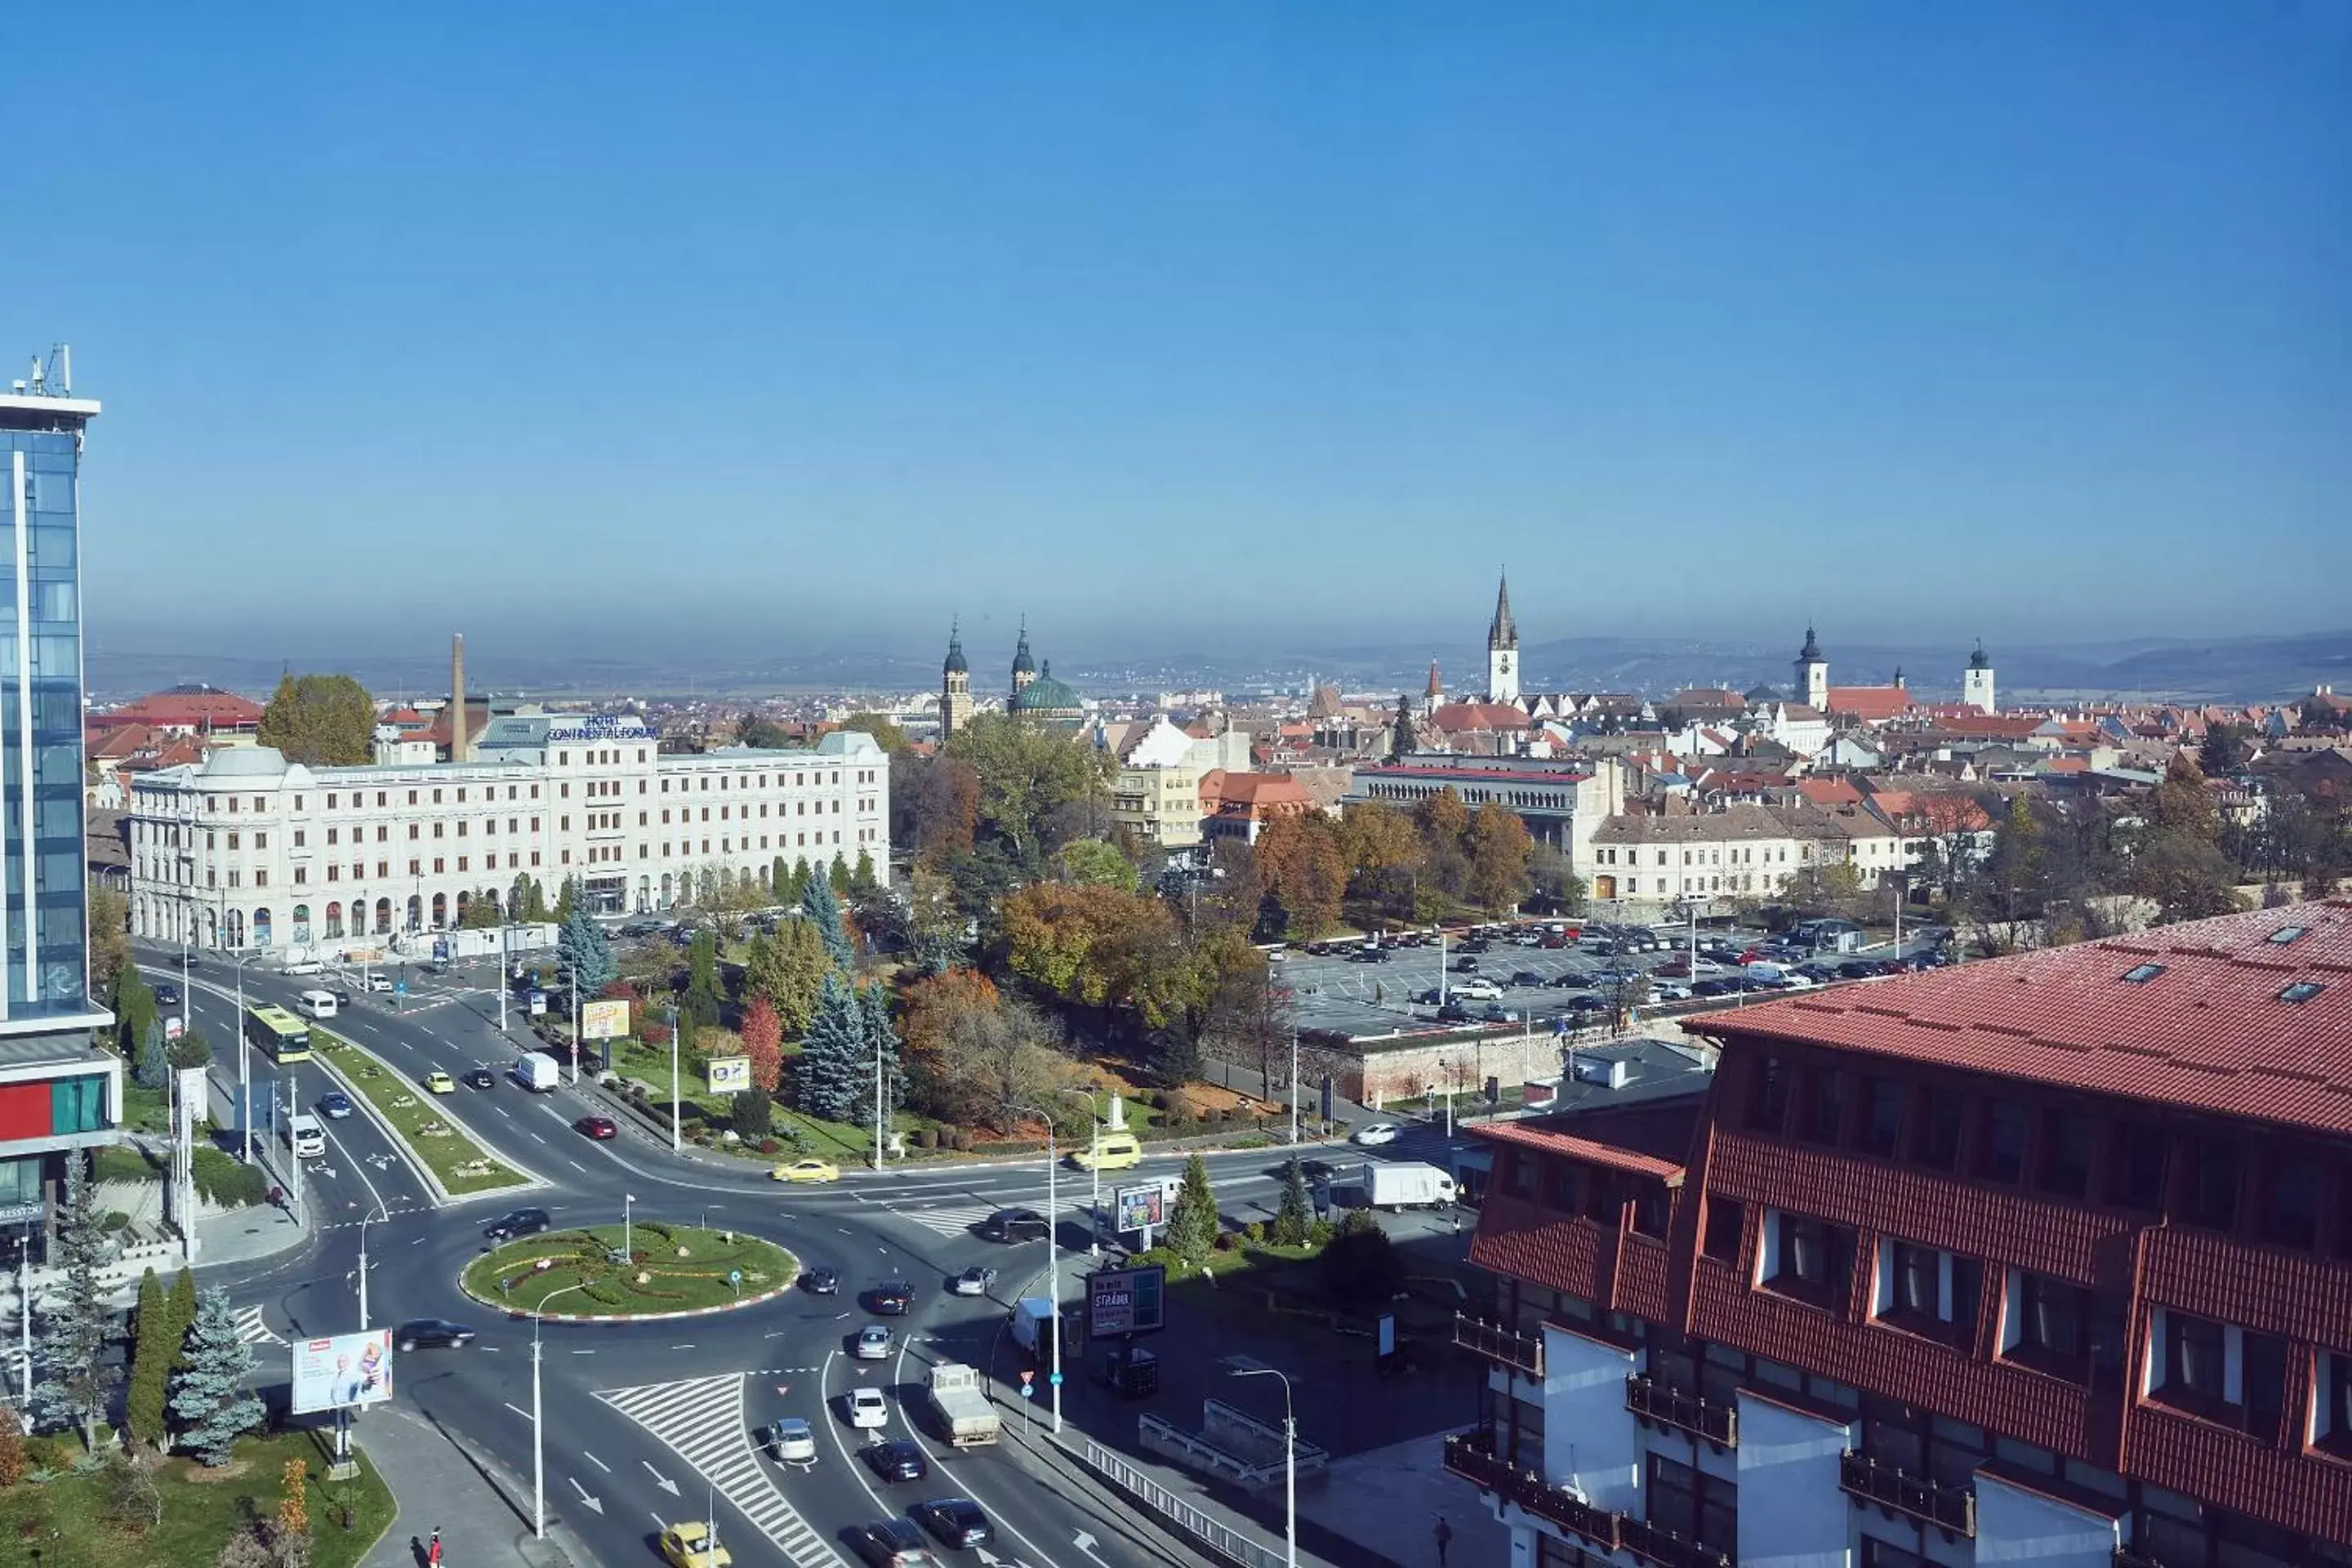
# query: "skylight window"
2141,973
2302,991
2286,934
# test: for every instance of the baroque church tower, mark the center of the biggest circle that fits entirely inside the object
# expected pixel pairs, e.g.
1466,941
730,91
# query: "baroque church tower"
955,686
1503,650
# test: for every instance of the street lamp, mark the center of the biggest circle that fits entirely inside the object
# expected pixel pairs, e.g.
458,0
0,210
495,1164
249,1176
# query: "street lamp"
380,1212
538,1443
676,1017
244,1079
628,1202
1289,1461
1094,1221
1053,1258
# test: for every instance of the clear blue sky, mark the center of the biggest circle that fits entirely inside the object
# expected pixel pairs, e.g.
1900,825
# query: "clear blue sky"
1172,325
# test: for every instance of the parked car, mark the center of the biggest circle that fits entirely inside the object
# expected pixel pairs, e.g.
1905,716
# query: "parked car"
1572,981
873,1343
335,1105
822,1281
896,1460
789,1441
1455,1013
431,1333
1669,990
1526,977
957,1521
1463,966
1496,1012
1712,988
1479,991
599,1128
1376,1132
517,1222
1426,996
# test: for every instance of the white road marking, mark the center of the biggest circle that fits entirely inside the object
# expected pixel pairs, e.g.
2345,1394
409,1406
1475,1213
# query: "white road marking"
517,1409
596,1461
701,1421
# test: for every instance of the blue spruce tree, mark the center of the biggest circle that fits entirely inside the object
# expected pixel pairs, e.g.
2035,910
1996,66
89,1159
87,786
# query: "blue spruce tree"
153,1068
834,1055
822,905
209,1398
586,952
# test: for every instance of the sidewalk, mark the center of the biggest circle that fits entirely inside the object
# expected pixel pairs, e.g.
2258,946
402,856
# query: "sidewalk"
441,1480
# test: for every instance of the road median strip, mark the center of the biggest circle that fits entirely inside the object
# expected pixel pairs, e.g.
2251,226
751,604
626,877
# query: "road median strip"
448,1157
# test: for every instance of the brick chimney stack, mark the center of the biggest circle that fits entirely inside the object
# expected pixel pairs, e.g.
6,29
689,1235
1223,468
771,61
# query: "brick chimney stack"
460,748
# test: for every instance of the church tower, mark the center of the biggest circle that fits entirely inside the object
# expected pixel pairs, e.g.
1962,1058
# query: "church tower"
1813,674
955,686
1503,650
1024,668
1976,681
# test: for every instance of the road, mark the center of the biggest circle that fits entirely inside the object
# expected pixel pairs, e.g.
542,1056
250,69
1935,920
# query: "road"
649,1423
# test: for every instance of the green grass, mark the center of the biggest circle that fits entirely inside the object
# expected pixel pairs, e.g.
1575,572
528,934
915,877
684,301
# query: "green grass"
67,1522
509,1274
118,1162
145,1110
462,1165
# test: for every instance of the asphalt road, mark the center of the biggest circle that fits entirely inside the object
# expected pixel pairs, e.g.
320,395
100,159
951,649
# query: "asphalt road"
650,1422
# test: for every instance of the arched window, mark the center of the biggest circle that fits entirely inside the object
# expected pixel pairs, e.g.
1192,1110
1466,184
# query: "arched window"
301,925
416,912
383,916
335,920
261,927
440,910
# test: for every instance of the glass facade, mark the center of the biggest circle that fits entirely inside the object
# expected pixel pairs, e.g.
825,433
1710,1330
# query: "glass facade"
40,662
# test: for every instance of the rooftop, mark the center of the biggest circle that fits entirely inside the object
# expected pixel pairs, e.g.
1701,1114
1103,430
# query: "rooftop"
2247,1014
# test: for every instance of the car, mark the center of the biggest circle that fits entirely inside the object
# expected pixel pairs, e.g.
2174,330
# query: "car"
868,1410
1426,996
790,1441
1496,1012
972,1281
892,1543
1455,1013
957,1521
896,1460
1712,988
440,1082
1016,1225
894,1298
691,1543
1586,1004
167,995
517,1222
1374,1133
1572,981
376,983
599,1128
1669,990
303,966
431,1333
1479,991
481,1077
335,1105
822,1281
807,1171
1463,966
1526,977
873,1343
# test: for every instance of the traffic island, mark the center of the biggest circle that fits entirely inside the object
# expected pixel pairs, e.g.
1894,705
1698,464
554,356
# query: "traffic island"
648,1269
451,1159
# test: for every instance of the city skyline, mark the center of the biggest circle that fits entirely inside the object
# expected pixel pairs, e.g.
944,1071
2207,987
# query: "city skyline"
1698,329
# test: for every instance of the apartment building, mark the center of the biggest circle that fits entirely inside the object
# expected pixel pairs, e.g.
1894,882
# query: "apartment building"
2041,1260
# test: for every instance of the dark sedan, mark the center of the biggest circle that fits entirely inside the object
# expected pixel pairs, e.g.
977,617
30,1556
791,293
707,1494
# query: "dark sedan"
167,995
431,1333
897,1460
822,1281
1526,977
481,1077
956,1520
894,1298
517,1222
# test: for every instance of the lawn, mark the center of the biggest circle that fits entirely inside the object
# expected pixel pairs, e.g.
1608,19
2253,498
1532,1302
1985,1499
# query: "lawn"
463,1165
68,1522
145,1110
800,1133
685,1266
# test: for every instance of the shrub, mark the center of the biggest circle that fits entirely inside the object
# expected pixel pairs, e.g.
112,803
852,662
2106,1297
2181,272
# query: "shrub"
14,1456
925,1138
769,1145
1320,1234
1226,1241
1255,1233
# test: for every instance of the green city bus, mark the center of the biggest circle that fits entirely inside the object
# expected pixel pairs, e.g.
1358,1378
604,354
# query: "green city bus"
284,1037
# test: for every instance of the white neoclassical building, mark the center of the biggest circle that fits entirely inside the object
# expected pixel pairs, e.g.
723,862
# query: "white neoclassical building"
247,849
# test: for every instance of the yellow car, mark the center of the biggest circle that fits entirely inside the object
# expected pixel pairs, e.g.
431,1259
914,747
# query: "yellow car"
1111,1152
440,1082
807,1171
689,1545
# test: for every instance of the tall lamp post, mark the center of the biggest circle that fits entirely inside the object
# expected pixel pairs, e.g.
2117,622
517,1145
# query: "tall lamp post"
1053,1259
378,1212
538,1441
1094,1220
1289,1461
677,1016
244,1079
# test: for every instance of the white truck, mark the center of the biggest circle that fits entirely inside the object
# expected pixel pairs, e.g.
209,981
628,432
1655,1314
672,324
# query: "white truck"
959,1400
536,1071
1402,1184
1033,1325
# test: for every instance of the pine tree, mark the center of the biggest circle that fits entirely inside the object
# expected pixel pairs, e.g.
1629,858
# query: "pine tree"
75,1384
838,878
823,907
1192,1227
827,1078
182,1312
585,950
780,881
564,903
1297,1212
152,1071
209,1398
134,1011
703,993
861,878
150,1363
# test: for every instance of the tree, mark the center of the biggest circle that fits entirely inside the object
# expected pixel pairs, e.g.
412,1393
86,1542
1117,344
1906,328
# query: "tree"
533,899
822,905
153,1069
886,735
704,995
110,939
786,971
294,1500
861,876
1561,891
1298,1212
1193,1226
208,1397
566,899
1361,1267
481,911
763,1043
751,1113
934,807
194,1048
2226,750
881,1041
1025,772
183,1306
761,733
76,1382
1098,863
326,720
134,1005
976,1057
585,950
1444,823
1499,847
1301,870
826,1079
153,1345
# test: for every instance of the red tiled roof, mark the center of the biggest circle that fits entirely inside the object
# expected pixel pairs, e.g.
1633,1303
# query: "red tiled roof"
1479,716
1868,703
192,710
2209,1032
1990,726
1830,792
1648,1139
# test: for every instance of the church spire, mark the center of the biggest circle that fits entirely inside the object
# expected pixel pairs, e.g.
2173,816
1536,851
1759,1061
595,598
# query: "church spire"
1503,634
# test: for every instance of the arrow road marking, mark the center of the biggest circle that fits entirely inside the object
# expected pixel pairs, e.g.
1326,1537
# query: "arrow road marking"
1085,1543
660,1481
596,1461
596,1503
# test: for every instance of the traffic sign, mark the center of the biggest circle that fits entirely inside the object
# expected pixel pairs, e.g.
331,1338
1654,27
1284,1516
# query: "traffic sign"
1055,1380
1025,1377
400,989
1028,1391
734,1277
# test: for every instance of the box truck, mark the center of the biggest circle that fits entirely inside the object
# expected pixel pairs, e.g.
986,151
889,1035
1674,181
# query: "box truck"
1402,1184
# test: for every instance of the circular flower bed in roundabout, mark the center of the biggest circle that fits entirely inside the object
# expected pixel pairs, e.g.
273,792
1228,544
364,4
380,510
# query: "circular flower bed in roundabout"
665,1270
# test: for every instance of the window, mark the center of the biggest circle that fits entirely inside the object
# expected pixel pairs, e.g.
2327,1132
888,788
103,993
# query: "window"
1724,1219
1935,1131
2212,1196
2290,1215
1651,1209
1882,1121
2331,1415
2065,1163
1565,1190
1824,1116
2001,1148
2043,1323
2284,934
1809,1259
1911,1284
1768,1095
2136,1168
1700,1508
2141,973
2217,1371
2302,991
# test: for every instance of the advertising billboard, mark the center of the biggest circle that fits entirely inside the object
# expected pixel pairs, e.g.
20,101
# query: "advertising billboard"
1138,1208
342,1371
603,1020
1122,1302
728,1075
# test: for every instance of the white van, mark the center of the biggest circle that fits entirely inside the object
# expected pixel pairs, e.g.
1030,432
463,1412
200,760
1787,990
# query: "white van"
537,1071
316,1003
307,1138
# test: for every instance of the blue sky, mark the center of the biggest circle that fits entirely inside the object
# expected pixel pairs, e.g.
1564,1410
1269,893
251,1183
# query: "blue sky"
1172,326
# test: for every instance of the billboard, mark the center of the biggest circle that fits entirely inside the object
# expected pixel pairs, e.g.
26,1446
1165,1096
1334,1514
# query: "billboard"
1138,1208
603,1020
344,1371
728,1075
1122,1302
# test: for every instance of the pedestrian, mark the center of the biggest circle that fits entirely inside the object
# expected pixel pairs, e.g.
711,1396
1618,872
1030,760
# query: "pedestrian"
433,1551
1444,1535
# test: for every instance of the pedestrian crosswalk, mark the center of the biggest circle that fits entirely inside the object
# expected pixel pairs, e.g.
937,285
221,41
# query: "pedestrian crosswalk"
700,1419
252,1330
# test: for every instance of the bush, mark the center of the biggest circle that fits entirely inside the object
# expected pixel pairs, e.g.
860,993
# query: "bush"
1226,1241
1255,1233
113,1220
227,1182
769,1146
1320,1234
925,1138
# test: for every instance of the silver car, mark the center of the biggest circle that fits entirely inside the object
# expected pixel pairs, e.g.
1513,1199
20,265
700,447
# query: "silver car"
873,1343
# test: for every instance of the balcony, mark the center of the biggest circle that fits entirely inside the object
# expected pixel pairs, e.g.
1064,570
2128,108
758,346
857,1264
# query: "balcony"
1471,1456
2127,1558
1505,1347
1952,1510
1669,1406
1665,1547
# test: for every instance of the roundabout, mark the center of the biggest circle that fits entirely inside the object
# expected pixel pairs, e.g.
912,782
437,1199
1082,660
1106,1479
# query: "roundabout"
648,1271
